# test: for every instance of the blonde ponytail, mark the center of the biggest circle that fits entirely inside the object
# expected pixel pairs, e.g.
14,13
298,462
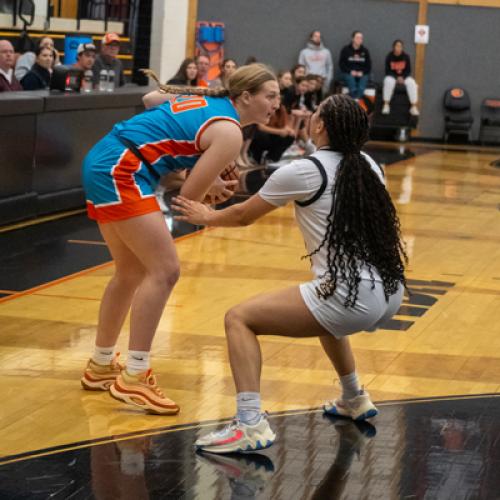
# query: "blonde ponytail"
186,89
248,78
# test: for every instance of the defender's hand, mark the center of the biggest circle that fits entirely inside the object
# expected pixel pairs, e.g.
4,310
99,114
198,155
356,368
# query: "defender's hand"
193,212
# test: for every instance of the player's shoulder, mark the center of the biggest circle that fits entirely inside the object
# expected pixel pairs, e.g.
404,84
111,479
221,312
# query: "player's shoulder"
327,158
376,167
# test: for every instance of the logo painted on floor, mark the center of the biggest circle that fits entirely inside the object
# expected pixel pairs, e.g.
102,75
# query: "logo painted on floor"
424,294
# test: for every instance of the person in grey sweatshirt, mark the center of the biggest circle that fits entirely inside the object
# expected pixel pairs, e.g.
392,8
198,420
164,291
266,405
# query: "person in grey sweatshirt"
317,59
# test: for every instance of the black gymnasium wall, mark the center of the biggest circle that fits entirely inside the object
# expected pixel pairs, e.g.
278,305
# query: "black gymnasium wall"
465,51
464,47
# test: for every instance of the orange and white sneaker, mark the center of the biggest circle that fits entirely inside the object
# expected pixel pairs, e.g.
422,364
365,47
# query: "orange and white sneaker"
100,377
143,391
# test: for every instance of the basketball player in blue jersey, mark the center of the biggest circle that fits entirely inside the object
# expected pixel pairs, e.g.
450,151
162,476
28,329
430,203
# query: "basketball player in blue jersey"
352,235
185,128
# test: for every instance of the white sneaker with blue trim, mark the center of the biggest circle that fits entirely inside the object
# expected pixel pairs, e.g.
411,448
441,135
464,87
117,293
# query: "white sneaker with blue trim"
238,437
358,408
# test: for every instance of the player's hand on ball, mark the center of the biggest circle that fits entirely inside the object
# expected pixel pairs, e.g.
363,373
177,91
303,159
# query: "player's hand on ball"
193,212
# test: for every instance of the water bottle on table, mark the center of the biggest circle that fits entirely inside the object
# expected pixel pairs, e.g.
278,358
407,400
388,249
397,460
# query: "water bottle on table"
87,81
103,80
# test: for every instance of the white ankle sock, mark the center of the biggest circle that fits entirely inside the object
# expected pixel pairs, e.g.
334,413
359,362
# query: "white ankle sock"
103,355
350,385
248,407
137,362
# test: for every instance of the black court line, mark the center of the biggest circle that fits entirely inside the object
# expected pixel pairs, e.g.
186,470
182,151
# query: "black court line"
412,311
420,299
446,284
396,324
431,291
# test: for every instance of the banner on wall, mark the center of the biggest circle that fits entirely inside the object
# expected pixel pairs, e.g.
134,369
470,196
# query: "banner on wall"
210,42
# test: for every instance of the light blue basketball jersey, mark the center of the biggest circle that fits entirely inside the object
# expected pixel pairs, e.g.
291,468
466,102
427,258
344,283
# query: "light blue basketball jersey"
169,135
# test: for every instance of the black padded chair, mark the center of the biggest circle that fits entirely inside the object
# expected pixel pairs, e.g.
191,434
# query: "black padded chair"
399,122
489,129
457,114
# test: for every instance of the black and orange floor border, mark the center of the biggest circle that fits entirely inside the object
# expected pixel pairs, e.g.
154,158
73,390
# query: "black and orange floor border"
419,444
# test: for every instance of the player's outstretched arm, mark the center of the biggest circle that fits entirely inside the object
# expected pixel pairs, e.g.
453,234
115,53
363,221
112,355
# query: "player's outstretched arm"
241,214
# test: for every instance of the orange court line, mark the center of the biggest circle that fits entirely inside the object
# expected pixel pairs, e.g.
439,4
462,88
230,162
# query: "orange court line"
35,289
41,220
77,297
55,282
55,296
88,242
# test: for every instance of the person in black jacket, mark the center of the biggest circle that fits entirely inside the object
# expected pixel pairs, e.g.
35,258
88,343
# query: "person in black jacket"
356,65
38,77
398,70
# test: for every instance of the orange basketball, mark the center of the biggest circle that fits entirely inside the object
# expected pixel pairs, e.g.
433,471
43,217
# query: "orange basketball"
230,173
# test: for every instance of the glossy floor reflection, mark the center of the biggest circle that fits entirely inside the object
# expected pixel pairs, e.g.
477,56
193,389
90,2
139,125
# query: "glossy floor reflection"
439,449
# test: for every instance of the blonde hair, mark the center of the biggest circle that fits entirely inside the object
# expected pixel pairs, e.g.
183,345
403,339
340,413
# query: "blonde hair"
248,78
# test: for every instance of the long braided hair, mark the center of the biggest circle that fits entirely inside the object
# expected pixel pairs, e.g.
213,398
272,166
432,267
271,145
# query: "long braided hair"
248,78
363,227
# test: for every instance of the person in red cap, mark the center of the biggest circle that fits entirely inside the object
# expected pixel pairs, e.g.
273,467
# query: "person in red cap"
108,59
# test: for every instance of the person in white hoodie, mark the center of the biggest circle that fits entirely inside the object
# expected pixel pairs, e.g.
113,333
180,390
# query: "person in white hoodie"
317,59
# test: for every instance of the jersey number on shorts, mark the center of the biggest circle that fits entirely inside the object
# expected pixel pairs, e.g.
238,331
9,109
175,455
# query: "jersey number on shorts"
186,103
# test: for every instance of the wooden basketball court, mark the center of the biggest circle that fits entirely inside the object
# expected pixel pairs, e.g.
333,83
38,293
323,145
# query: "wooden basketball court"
444,341
433,369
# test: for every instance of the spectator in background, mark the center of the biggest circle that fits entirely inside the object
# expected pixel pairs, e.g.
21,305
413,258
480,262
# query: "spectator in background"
294,100
398,70
227,68
38,77
26,61
108,59
203,64
273,138
85,56
186,74
317,59
356,65
298,71
8,81
315,93
285,80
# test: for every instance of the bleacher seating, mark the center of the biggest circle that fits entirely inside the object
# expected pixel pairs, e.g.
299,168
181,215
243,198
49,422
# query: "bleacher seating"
125,55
